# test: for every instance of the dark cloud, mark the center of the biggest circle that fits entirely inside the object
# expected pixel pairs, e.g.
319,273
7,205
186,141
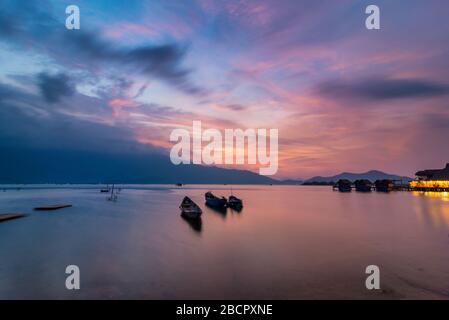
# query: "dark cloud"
23,114
382,89
54,87
7,25
34,24
140,91
16,101
23,20
6,92
160,61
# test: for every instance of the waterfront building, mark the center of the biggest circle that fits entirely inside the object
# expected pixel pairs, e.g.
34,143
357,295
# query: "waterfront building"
432,180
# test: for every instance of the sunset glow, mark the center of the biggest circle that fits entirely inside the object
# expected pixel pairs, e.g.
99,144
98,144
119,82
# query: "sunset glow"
343,98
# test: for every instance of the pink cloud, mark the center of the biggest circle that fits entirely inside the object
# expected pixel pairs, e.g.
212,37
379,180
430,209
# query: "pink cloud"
129,28
120,31
117,105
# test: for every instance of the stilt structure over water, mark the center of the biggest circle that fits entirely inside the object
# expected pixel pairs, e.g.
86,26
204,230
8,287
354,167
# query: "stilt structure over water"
431,180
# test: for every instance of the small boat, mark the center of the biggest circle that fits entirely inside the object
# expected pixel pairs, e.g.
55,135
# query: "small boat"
190,209
363,185
384,185
179,184
235,203
214,201
344,185
104,190
52,207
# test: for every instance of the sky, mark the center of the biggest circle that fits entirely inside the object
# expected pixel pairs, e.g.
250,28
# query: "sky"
343,98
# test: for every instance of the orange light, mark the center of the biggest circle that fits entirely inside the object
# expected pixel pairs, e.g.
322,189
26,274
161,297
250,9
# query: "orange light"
430,184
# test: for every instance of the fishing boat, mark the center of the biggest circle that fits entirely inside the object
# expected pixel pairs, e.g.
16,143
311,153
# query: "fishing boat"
190,209
213,201
363,185
235,202
344,185
384,185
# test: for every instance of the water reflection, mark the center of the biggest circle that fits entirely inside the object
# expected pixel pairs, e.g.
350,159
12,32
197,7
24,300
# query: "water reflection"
222,211
195,224
139,248
435,212
236,209
443,195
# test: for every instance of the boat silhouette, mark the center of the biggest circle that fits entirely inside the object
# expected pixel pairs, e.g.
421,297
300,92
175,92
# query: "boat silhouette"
214,201
190,209
235,203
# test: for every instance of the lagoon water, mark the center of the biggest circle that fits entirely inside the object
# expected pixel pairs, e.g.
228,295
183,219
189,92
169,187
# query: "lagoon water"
288,242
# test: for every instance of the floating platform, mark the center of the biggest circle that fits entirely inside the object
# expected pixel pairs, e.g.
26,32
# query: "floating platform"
53,207
10,216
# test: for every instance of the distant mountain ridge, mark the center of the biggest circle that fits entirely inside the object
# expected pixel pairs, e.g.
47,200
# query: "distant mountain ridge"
291,182
62,166
371,175
54,166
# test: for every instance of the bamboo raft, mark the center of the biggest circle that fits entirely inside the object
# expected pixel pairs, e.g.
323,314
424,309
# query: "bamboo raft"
10,216
53,207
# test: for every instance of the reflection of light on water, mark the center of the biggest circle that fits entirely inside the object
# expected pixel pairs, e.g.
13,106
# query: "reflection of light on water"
434,194
436,212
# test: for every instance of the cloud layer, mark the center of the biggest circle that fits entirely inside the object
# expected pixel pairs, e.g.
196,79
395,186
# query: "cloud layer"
382,89
343,98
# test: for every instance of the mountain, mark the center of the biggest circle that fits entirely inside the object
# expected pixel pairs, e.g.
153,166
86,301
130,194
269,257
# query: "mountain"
63,166
291,182
372,175
24,165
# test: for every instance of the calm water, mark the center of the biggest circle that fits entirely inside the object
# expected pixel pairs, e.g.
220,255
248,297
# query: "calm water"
288,242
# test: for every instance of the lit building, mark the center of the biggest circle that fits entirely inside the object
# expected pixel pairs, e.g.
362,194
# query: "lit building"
436,179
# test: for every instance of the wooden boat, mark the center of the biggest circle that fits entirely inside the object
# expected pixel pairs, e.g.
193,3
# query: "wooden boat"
363,185
344,185
384,185
10,216
190,209
52,207
213,201
235,202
